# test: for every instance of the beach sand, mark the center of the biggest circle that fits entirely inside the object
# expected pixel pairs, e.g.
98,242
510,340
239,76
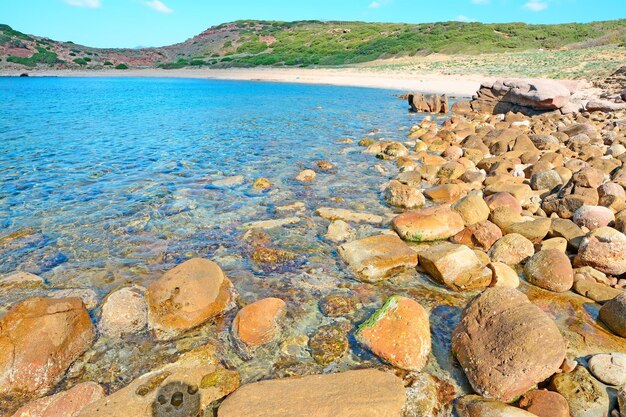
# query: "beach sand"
454,85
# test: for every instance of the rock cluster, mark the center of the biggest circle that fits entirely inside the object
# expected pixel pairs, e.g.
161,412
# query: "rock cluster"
428,103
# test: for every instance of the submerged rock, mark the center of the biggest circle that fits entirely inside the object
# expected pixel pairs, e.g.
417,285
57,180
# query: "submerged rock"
124,312
307,175
348,216
399,333
63,404
329,343
259,323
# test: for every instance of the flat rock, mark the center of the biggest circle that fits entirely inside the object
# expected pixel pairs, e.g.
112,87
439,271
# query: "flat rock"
63,404
506,344
259,323
399,333
377,258
273,223
598,292
609,368
89,296
229,181
585,396
363,393
455,266
534,230
338,231
21,278
348,216
477,406
429,224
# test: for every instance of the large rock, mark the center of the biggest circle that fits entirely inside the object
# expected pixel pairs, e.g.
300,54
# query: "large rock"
605,250
506,344
476,406
428,103
586,396
399,333
429,224
182,388
63,404
187,296
551,270
512,249
404,196
543,403
124,312
472,208
455,266
480,235
613,314
363,393
609,368
377,258
39,340
259,323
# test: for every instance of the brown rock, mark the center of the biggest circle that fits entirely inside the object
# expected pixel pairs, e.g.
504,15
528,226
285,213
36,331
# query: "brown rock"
613,314
605,250
534,230
39,340
551,270
124,312
477,406
259,323
512,249
455,266
472,208
429,224
480,235
187,296
503,200
585,396
501,323
404,196
399,333
543,403
63,404
503,275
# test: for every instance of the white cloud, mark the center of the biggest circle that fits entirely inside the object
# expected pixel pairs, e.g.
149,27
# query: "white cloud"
379,3
90,4
158,6
462,18
481,1
535,5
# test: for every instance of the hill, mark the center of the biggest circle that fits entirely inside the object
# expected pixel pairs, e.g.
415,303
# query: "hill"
306,43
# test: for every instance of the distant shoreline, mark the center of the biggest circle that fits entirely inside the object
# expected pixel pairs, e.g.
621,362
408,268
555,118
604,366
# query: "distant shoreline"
454,85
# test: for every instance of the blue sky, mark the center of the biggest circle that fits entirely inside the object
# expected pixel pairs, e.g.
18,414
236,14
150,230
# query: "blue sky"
131,23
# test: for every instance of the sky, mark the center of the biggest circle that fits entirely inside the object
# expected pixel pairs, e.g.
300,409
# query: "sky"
133,23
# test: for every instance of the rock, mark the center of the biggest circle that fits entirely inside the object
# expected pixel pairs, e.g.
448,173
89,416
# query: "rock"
545,403
600,293
63,404
534,230
503,200
472,208
568,230
338,231
551,270
229,181
296,206
377,258
338,305
501,323
124,312
39,340
429,103
545,180
455,266
593,217
258,323
21,279
604,106
325,166
399,333
477,406
89,296
603,249
348,216
261,184
182,388
404,196
613,314
272,224
557,243
480,235
329,343
621,397
446,193
585,396
512,249
609,368
306,175
187,296
363,393
429,224
503,275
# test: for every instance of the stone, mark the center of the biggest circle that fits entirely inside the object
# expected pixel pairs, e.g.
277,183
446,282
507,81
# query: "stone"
363,393
603,249
399,333
480,235
503,200
124,312
477,406
63,404
506,344
429,224
543,403
348,216
21,279
307,175
568,230
558,243
455,266
378,258
472,208
187,296
89,296
533,230
613,314
259,323
609,368
600,293
503,275
585,396
593,217
545,180
330,342
261,184
272,223
604,106
551,270
404,196
338,231
621,398
39,340
182,388
512,249
229,181
339,305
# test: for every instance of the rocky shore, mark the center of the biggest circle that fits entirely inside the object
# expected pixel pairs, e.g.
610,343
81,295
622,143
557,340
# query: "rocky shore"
494,287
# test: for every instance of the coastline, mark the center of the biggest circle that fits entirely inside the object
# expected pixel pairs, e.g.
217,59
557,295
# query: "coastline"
453,85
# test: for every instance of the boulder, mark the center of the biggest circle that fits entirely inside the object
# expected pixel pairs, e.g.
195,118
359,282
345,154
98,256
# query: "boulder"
455,266
363,393
259,323
477,406
429,224
506,344
551,270
593,217
609,368
503,275
512,249
404,196
63,404
39,340
613,314
543,403
533,230
399,333
480,235
585,396
187,296
428,103
472,208
377,258
124,312
605,250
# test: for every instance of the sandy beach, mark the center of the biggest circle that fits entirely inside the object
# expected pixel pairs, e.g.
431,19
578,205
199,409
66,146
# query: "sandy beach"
455,85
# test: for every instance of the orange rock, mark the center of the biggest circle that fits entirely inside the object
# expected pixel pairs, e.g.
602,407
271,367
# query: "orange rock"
545,403
433,223
64,404
258,323
399,333
39,340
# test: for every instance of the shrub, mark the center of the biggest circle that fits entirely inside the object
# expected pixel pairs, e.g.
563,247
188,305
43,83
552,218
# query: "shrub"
108,63
121,66
80,61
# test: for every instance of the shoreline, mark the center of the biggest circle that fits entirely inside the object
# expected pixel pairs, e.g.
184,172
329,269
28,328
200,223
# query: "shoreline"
453,85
